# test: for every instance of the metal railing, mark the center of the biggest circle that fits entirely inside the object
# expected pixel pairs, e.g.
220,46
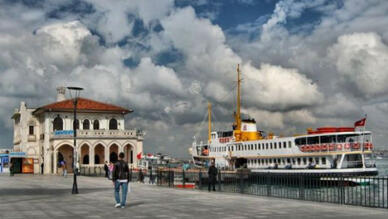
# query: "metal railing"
359,191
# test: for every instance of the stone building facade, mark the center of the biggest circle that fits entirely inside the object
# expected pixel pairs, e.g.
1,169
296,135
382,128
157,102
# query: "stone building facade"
46,134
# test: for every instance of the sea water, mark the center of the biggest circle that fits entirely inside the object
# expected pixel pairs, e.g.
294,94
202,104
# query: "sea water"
382,166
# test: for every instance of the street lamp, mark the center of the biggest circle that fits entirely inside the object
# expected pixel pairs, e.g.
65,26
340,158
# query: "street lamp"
75,92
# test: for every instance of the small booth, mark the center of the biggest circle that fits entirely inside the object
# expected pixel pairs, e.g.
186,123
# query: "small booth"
21,163
4,163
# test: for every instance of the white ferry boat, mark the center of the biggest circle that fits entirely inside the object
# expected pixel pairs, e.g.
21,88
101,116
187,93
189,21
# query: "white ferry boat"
326,150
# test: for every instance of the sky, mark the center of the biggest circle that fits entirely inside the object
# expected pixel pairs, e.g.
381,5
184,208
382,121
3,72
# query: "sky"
304,63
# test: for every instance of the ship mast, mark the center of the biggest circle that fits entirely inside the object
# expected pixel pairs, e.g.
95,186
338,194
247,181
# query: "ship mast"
238,116
209,109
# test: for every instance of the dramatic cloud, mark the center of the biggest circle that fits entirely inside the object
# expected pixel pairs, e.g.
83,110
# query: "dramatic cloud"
167,59
361,60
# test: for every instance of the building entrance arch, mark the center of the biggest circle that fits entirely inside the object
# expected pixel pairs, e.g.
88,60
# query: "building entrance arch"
65,153
129,152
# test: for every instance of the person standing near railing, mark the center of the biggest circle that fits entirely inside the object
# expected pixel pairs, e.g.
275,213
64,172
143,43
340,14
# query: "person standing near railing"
212,173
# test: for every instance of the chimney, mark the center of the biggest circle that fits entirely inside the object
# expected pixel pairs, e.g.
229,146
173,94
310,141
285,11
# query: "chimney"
61,91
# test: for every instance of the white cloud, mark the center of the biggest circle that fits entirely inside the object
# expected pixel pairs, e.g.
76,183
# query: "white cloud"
361,60
64,41
278,88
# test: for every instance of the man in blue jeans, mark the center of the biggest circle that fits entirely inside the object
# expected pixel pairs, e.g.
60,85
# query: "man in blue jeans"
120,178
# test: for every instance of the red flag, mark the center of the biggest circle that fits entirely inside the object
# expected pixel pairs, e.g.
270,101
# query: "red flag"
139,156
360,122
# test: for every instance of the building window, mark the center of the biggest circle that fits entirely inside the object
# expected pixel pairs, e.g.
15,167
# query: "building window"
113,124
96,125
86,124
58,123
31,130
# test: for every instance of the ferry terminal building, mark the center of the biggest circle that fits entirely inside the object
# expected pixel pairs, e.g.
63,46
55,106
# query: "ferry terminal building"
45,135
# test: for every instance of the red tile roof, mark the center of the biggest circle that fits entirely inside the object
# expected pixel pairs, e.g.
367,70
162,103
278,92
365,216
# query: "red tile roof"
84,105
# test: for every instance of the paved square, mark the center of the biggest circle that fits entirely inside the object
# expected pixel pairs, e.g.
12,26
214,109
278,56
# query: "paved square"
27,196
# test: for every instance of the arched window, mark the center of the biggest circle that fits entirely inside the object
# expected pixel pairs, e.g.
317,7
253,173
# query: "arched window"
76,124
96,125
85,160
96,159
86,124
113,124
58,123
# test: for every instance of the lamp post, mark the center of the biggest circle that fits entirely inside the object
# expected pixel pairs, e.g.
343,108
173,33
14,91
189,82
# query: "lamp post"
74,94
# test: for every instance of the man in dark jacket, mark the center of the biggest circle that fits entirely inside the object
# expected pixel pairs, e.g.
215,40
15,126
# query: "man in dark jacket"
212,172
120,178
106,168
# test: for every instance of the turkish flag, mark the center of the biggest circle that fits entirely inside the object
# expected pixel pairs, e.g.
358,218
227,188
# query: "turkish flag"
360,122
139,156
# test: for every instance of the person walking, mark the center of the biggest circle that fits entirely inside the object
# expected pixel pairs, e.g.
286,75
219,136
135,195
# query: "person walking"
64,168
212,173
120,178
106,168
110,168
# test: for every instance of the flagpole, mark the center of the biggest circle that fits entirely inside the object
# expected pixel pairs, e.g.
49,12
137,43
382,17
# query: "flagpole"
363,140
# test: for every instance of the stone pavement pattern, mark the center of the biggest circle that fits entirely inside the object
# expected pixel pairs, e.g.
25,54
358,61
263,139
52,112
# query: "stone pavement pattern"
27,196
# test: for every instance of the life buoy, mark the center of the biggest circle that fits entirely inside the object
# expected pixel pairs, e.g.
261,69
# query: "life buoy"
324,147
347,146
331,147
307,148
317,147
356,146
339,147
303,148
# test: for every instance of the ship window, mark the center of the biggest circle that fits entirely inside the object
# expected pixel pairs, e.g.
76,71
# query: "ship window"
275,145
317,160
266,145
298,160
284,144
323,160
310,160
313,140
293,161
300,141
255,146
304,160
245,147
270,145
279,161
288,160
327,139
289,144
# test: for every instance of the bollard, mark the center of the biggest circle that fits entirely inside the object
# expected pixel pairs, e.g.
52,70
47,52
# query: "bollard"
219,180
200,179
183,178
